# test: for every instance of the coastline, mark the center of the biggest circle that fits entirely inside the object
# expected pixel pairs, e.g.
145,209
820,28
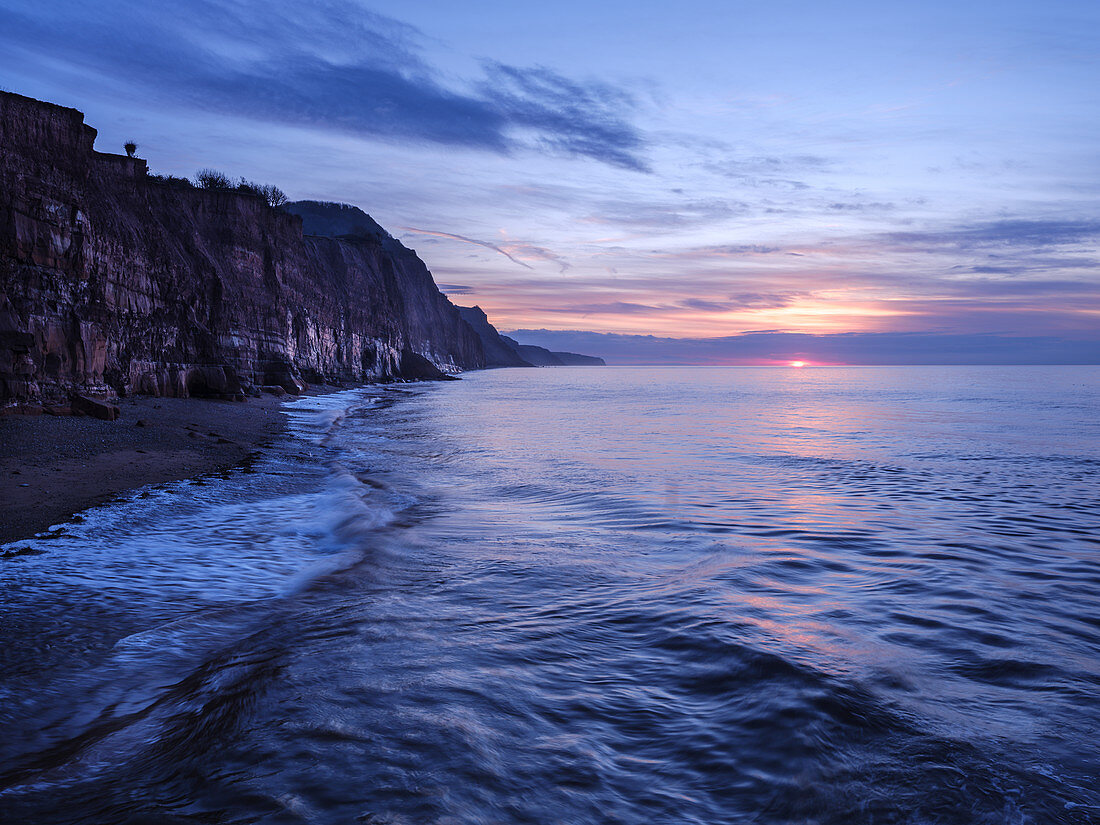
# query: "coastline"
53,467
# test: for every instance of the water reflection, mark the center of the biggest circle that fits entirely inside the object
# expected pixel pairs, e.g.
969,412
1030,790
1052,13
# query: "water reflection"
588,595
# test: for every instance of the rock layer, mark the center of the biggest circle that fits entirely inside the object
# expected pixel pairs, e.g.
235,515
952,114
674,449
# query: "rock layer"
113,282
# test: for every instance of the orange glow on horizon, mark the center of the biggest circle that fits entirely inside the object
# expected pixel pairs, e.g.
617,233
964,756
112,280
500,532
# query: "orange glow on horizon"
798,363
555,308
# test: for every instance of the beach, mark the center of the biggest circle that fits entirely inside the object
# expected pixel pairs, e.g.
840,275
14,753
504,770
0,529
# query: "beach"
52,467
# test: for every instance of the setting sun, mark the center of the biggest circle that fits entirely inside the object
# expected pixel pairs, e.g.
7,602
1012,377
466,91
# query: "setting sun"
798,363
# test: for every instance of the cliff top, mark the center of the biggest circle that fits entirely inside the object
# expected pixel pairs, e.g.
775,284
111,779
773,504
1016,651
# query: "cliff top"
13,98
336,220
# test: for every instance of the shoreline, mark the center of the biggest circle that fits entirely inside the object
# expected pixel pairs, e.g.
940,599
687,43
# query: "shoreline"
54,467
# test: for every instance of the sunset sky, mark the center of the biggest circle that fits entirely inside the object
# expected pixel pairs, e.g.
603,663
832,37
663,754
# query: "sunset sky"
698,170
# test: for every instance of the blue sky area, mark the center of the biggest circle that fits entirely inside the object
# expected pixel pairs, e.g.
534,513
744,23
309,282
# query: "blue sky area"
905,175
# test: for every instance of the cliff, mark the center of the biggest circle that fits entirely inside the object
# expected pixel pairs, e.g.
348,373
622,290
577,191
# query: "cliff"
112,281
498,351
502,351
574,359
340,220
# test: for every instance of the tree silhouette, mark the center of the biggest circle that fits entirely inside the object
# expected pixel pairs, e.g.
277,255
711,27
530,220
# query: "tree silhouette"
273,194
212,179
130,148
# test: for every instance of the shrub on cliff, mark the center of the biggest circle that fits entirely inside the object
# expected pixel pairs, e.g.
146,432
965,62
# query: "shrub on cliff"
130,148
171,180
275,196
249,188
212,179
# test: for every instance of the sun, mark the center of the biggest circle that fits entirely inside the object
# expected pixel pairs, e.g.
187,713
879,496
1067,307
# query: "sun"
798,363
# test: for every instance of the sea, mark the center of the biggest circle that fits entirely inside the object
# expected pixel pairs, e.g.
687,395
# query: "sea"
585,595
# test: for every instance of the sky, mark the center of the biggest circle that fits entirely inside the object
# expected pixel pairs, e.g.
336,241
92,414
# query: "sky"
729,182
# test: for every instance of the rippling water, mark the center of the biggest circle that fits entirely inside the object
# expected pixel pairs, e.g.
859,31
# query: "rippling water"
586,596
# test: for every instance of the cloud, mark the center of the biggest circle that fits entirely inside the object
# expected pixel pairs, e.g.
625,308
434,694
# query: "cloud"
872,206
456,289
329,65
717,252
536,253
612,307
1034,289
515,251
998,234
766,299
570,117
745,300
464,239
669,215
703,305
779,171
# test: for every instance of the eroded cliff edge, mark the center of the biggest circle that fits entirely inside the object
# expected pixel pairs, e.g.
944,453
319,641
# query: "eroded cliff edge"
113,282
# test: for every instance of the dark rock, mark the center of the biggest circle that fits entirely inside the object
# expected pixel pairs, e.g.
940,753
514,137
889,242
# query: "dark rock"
16,341
284,375
95,408
416,367
141,422
212,382
274,389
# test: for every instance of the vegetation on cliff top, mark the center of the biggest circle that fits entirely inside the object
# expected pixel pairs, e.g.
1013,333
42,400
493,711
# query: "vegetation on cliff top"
213,179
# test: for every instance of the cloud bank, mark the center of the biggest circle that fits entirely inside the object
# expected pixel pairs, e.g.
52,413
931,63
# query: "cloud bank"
331,65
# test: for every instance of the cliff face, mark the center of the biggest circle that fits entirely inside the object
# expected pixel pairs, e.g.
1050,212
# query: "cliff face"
502,351
114,282
337,220
499,351
542,357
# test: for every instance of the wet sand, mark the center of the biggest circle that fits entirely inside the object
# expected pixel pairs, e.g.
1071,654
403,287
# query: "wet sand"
52,467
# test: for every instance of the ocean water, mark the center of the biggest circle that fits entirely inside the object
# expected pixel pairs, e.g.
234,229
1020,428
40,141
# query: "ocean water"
581,595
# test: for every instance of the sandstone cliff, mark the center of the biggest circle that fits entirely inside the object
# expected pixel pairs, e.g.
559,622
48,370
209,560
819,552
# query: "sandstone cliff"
112,281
